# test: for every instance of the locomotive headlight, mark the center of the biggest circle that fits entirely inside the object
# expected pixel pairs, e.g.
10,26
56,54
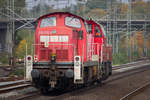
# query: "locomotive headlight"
53,58
77,60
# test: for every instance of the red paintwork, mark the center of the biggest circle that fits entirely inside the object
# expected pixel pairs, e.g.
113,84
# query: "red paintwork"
63,51
107,49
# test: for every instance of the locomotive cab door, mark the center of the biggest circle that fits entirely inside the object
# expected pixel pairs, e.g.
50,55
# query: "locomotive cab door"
98,39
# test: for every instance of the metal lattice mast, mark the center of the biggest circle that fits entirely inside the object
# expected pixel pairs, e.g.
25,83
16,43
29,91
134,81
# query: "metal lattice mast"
109,7
11,28
115,30
129,29
145,40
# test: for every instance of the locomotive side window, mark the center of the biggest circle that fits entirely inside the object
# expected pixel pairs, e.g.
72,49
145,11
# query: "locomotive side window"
90,28
72,22
50,21
97,32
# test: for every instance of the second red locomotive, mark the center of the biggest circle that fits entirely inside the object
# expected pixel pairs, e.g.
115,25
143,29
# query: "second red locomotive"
69,50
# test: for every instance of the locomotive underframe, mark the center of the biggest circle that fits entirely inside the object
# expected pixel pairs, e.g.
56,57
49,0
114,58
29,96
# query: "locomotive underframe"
61,76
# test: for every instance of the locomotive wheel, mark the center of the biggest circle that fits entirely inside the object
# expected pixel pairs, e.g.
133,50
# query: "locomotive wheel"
44,91
104,77
35,83
110,68
106,71
99,81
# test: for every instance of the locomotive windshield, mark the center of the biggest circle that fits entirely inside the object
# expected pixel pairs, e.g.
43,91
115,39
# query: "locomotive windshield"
50,21
73,22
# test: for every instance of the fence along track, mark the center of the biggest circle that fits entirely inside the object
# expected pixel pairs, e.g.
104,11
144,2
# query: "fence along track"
136,92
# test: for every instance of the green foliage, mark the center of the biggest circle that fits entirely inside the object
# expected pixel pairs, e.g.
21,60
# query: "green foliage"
21,49
18,38
23,37
96,4
139,7
135,55
148,52
96,13
120,58
18,72
4,58
41,9
19,3
3,3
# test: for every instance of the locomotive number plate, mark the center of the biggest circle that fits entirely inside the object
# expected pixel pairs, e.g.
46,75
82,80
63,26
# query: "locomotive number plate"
54,39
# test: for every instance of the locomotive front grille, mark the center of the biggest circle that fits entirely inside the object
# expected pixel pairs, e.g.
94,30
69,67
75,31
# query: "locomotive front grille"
61,55
45,54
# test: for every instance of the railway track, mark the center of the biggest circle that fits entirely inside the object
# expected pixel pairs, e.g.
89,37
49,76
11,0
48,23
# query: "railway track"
28,96
114,77
13,85
127,73
8,79
5,71
10,86
130,64
137,91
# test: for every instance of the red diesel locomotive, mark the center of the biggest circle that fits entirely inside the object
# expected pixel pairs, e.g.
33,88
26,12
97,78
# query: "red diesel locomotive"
69,51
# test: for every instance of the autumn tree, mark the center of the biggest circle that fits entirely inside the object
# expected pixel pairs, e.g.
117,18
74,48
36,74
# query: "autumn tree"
122,10
96,13
140,8
24,37
92,4
136,41
20,51
3,3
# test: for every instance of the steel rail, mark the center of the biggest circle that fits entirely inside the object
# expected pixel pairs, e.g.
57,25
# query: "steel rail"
27,96
128,64
135,92
13,85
